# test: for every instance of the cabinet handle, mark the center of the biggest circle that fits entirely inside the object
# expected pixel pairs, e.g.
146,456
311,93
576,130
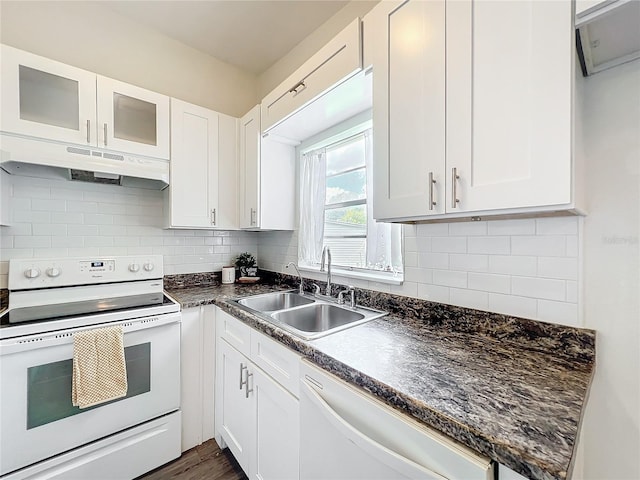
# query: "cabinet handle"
243,367
247,390
105,134
300,85
432,182
253,216
88,131
213,216
454,187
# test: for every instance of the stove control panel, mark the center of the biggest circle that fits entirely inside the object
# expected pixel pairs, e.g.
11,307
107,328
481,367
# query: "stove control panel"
25,274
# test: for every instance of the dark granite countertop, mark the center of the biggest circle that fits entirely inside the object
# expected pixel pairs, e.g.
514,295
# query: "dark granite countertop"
512,389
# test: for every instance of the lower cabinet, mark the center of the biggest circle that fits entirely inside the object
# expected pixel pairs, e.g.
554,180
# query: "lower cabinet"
256,417
197,367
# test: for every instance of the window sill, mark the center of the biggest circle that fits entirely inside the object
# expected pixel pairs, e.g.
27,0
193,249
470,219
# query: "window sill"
381,277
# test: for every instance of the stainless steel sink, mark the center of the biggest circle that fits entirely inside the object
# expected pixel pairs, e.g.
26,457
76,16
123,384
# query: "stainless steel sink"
317,318
306,316
271,302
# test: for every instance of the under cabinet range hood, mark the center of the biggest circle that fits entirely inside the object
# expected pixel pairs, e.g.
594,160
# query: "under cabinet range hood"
35,157
607,34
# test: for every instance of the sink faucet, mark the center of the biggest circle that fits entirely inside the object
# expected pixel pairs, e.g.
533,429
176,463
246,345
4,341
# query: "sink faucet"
326,252
301,287
352,300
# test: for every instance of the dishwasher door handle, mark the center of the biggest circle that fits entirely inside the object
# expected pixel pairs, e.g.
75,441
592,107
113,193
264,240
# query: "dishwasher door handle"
401,464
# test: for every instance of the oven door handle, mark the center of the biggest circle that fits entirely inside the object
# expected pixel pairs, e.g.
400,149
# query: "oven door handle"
61,337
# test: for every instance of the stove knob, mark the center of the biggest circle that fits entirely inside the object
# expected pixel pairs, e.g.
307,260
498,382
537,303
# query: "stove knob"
148,266
54,272
134,267
32,272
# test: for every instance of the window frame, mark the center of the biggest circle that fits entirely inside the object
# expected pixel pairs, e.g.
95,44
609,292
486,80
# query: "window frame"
327,141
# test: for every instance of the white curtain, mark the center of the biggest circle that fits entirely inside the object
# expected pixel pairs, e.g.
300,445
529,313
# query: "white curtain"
312,200
384,240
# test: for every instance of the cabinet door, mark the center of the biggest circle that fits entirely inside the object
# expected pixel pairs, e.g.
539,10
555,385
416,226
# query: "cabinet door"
132,119
277,430
234,411
47,99
509,104
194,166
191,374
409,113
334,63
250,169
227,211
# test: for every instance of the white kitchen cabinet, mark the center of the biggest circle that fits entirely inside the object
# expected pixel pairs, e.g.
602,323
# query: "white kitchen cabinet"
202,192
256,417
408,42
47,99
197,369
503,145
267,178
338,60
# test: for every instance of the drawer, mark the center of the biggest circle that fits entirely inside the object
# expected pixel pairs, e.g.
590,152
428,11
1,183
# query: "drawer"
236,333
278,361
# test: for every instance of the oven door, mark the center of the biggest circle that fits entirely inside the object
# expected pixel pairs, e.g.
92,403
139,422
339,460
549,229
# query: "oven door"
37,419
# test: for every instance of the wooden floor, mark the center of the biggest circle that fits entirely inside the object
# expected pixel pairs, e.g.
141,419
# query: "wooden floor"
205,461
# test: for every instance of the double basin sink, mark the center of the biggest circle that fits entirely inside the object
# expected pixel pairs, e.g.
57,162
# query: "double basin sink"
306,316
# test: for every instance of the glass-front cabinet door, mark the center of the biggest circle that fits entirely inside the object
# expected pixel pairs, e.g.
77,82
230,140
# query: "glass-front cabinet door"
132,119
47,99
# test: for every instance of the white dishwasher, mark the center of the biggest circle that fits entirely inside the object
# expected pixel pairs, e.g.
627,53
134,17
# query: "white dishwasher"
348,435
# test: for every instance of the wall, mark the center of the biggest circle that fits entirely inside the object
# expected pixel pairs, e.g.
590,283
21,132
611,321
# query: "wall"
527,268
93,37
284,67
611,123
54,218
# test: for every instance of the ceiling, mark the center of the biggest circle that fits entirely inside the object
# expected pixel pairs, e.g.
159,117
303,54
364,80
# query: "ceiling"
250,34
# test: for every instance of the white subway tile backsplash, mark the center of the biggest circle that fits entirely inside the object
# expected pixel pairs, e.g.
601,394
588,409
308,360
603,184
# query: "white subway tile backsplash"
554,267
66,194
410,259
82,230
48,205
418,275
19,229
75,242
513,305
557,226
67,217
82,207
28,216
433,260
512,227
433,293
489,282
407,289
98,219
449,244
469,298
432,230
558,312
544,246
469,262
572,246
49,229
26,191
489,245
572,292
410,244
467,228
450,278
545,288
31,242
513,265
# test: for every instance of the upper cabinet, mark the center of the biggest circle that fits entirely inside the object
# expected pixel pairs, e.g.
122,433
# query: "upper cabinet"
335,62
47,99
203,189
267,178
472,114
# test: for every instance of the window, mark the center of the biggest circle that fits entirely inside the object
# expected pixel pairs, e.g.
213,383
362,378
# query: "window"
336,212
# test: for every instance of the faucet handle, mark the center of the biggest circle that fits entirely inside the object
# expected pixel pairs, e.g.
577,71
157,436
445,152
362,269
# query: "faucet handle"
316,289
